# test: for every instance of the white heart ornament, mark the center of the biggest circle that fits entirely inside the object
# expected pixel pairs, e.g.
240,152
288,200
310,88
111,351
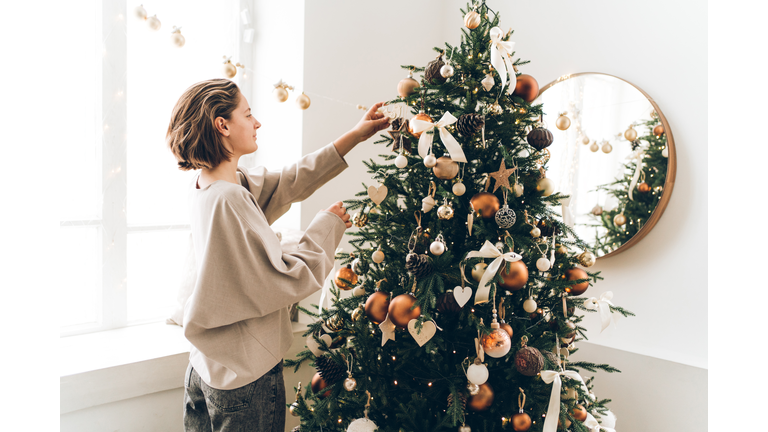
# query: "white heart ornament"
314,345
428,330
462,295
377,195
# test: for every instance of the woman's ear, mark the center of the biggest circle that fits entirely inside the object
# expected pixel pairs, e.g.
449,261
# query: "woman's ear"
221,125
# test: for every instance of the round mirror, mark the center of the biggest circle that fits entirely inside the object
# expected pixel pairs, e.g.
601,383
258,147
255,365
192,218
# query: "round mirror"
613,153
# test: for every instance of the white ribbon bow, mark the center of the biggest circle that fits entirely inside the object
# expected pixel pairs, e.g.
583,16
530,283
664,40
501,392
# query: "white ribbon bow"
591,423
489,251
638,157
500,52
603,306
450,143
553,412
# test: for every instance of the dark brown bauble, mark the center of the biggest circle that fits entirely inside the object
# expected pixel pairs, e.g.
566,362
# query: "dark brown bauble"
447,303
469,124
521,422
400,311
529,361
376,307
540,138
346,279
446,168
318,384
506,327
643,187
407,86
482,400
574,274
547,228
419,116
658,130
579,413
432,73
486,203
527,88
517,276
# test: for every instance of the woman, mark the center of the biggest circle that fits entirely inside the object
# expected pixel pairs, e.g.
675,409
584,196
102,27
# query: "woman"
237,316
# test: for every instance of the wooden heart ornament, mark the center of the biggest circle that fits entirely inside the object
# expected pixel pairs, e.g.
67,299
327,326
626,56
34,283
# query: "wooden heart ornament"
314,345
377,194
428,329
462,295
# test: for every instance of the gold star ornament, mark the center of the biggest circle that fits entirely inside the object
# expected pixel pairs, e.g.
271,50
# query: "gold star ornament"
502,177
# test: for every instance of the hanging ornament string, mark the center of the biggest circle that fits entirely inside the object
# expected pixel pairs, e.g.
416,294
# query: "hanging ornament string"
425,141
638,157
603,307
490,251
500,58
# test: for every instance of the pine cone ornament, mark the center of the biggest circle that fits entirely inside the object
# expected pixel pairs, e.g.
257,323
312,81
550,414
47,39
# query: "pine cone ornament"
446,303
469,124
529,361
540,138
432,74
329,370
418,264
462,401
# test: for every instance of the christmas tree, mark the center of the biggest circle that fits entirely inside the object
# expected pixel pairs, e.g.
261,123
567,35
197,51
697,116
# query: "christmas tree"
464,280
637,192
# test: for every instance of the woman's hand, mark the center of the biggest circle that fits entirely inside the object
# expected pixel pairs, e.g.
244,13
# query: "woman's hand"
372,122
339,210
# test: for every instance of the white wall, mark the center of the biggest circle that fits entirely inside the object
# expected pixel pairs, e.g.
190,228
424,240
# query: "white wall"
353,53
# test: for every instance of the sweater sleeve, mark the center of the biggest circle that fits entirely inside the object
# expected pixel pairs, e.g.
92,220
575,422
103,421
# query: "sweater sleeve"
244,273
277,190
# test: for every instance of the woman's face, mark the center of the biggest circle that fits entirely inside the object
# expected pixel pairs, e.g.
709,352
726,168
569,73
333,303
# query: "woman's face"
242,127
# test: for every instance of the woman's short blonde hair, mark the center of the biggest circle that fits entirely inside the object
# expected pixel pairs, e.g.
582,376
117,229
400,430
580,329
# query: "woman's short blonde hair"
192,135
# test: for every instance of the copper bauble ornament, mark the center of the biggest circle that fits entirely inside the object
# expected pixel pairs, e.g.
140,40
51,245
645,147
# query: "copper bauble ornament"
517,276
478,271
229,69
526,88
281,94
597,210
346,279
407,86
432,72
585,140
302,101
497,343
318,384
507,328
376,307
420,116
472,20
521,422
482,400
540,138
485,203
579,413
575,274
529,361
607,147
594,147
658,131
630,134
587,259
563,122
445,168
643,187
619,219
400,311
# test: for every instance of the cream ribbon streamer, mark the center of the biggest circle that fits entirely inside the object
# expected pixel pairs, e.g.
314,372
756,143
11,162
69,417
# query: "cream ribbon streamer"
567,214
500,52
489,251
638,157
450,143
553,412
603,306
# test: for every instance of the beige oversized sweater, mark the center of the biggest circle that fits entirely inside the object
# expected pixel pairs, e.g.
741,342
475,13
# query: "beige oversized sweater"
237,316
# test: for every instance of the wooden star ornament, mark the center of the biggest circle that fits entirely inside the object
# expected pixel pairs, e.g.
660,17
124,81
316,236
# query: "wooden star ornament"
502,177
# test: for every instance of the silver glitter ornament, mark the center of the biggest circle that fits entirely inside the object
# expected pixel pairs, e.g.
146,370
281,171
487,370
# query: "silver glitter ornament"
505,217
445,212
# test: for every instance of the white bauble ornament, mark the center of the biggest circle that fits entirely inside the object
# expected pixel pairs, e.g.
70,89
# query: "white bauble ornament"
459,189
303,101
665,152
378,256
447,71
153,22
478,271
523,153
607,147
229,69
543,264
477,373
141,13
594,147
545,186
362,425
518,190
281,94
430,161
437,248
358,291
530,305
401,161
350,384
427,204
177,38
488,82
535,232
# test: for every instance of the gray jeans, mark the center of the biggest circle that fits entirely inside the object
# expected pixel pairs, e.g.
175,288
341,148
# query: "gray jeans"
258,406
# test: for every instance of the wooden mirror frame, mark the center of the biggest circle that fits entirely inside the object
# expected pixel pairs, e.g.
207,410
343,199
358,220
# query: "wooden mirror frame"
671,163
